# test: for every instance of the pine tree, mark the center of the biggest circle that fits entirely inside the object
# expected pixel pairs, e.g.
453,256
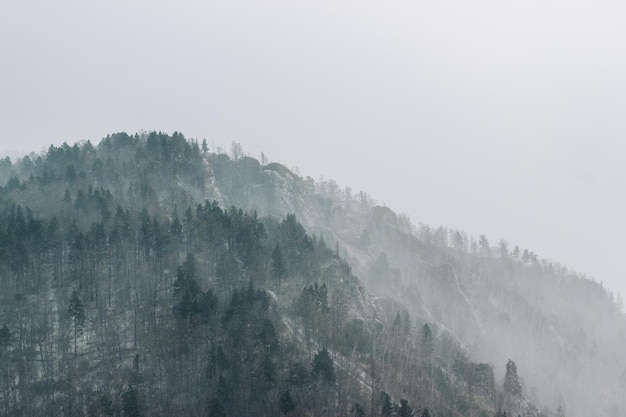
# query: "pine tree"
426,341
323,366
286,403
130,402
76,311
511,381
228,271
5,336
386,408
278,264
216,409
357,410
187,291
106,406
405,409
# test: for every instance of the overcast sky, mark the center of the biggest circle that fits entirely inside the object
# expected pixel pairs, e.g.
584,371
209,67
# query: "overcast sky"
500,117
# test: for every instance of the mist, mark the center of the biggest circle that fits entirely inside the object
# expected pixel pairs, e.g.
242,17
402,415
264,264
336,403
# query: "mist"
502,119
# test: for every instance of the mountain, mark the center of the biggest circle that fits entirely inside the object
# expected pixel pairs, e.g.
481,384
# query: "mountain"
148,275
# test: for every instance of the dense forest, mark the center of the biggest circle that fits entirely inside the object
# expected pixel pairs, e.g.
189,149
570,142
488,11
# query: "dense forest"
152,276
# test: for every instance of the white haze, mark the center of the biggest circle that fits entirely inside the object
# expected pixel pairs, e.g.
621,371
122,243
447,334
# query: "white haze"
503,118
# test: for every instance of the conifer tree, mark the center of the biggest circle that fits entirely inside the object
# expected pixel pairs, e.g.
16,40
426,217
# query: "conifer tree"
76,311
278,264
5,336
216,409
106,406
130,402
323,366
386,408
286,403
405,409
426,341
357,410
511,381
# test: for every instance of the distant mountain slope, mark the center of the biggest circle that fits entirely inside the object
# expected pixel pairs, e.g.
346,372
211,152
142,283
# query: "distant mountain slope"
565,332
116,221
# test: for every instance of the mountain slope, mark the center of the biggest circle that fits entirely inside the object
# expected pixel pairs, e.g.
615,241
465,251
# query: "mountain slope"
501,302
116,222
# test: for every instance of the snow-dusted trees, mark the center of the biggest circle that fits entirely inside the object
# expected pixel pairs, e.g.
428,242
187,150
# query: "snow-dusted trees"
511,381
279,269
76,312
483,244
503,248
322,367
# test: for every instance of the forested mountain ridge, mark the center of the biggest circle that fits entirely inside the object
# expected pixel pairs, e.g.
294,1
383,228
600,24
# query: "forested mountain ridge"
566,332
148,275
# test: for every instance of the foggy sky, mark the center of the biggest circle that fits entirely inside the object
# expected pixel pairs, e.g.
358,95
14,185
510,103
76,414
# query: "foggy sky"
502,118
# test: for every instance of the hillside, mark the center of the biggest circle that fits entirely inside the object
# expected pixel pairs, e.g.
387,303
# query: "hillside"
565,332
148,275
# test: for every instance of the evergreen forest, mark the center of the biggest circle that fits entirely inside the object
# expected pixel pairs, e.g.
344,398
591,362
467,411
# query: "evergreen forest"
149,275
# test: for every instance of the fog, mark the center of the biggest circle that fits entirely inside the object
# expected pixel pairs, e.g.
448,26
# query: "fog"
502,118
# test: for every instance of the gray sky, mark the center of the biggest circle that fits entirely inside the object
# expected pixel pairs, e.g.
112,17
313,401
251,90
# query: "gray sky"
498,117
